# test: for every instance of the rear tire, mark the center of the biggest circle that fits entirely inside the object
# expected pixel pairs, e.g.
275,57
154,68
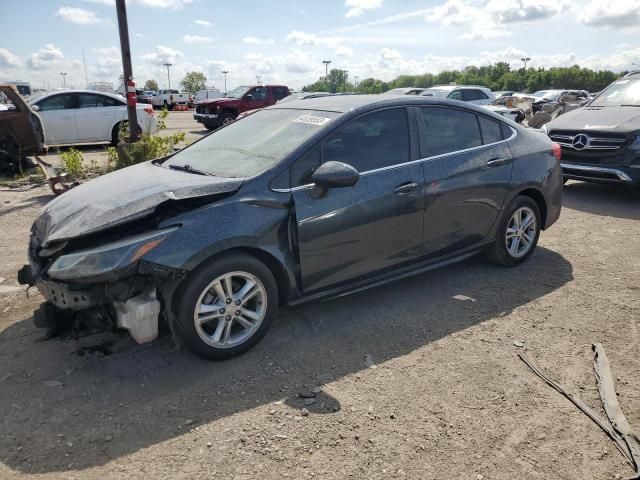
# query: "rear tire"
517,233
235,319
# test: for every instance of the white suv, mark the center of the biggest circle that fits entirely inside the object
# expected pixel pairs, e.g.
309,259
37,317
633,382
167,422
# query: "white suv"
466,93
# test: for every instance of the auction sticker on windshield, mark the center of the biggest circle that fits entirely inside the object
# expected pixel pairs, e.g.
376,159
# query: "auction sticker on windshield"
312,120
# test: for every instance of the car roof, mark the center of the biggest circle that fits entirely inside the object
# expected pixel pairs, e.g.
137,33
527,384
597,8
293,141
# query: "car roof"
349,103
94,92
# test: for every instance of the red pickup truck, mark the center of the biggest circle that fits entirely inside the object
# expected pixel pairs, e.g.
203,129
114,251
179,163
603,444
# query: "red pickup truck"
221,111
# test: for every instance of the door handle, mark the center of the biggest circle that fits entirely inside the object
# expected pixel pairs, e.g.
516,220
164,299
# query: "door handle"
405,188
494,162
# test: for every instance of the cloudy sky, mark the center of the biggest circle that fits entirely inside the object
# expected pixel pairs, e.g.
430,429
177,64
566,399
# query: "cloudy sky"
285,41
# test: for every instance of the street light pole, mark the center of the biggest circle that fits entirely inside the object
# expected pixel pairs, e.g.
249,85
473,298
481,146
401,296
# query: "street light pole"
123,27
355,82
168,76
258,78
326,67
525,60
224,72
64,79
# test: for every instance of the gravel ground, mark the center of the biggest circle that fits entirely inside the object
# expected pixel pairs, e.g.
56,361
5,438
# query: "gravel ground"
417,379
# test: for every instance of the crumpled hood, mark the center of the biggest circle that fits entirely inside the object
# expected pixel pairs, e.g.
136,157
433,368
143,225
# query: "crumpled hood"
620,119
120,197
219,101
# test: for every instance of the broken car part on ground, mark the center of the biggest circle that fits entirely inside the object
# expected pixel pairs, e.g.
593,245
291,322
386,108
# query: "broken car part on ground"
300,202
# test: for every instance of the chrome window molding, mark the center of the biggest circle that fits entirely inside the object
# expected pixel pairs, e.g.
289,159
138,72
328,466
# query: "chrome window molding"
307,186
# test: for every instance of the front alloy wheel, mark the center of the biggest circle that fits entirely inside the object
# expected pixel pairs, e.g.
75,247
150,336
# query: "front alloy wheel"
225,306
230,309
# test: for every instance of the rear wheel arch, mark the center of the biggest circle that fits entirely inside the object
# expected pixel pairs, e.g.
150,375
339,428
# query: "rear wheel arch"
537,197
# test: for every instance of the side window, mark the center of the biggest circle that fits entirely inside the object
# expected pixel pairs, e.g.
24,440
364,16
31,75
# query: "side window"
374,140
280,92
491,132
471,94
450,130
110,102
56,102
455,95
259,93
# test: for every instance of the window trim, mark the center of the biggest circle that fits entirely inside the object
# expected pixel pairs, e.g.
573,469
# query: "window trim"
514,134
414,144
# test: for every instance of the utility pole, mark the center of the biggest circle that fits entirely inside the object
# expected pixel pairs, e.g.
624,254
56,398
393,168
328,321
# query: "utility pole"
64,79
224,72
168,65
84,61
123,28
326,67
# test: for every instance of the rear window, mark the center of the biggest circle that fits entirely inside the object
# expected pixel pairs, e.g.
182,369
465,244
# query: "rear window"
491,132
253,144
450,130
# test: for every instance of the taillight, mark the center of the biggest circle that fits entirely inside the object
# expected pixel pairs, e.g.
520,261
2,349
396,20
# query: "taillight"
171,98
557,151
149,110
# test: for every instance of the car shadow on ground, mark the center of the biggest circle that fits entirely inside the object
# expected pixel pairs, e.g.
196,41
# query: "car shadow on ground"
58,407
40,200
610,200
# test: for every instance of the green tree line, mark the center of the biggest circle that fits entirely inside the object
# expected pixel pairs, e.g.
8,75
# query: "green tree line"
497,77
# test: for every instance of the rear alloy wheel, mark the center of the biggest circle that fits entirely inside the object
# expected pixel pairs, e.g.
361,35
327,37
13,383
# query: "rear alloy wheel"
518,232
227,307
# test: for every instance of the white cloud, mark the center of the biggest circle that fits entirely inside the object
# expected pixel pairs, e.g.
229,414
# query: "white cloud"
343,51
258,41
357,7
622,14
45,58
202,23
108,62
175,4
311,39
163,55
8,59
513,11
139,35
191,39
79,16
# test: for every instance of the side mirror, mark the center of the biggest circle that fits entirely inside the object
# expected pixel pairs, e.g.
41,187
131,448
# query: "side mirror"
35,108
248,97
335,175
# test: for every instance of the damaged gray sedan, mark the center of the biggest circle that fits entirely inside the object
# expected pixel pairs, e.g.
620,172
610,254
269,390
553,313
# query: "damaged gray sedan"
296,203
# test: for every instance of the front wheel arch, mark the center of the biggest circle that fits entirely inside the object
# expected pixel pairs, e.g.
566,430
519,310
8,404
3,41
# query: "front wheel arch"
278,270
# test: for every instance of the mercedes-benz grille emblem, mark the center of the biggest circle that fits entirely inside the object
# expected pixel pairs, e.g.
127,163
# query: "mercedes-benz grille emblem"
580,141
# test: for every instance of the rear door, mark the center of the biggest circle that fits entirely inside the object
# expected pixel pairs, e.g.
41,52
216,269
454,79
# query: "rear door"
95,116
467,172
58,117
352,232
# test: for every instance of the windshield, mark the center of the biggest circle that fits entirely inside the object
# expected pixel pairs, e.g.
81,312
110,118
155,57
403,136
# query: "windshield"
237,92
24,90
435,92
622,92
253,144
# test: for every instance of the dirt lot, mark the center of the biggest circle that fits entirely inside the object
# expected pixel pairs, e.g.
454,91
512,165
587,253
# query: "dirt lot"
415,380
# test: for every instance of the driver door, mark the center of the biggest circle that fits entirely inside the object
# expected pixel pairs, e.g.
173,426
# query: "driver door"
257,97
350,233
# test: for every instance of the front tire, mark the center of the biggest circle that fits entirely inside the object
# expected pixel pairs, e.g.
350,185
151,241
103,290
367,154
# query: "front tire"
226,307
225,119
518,232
